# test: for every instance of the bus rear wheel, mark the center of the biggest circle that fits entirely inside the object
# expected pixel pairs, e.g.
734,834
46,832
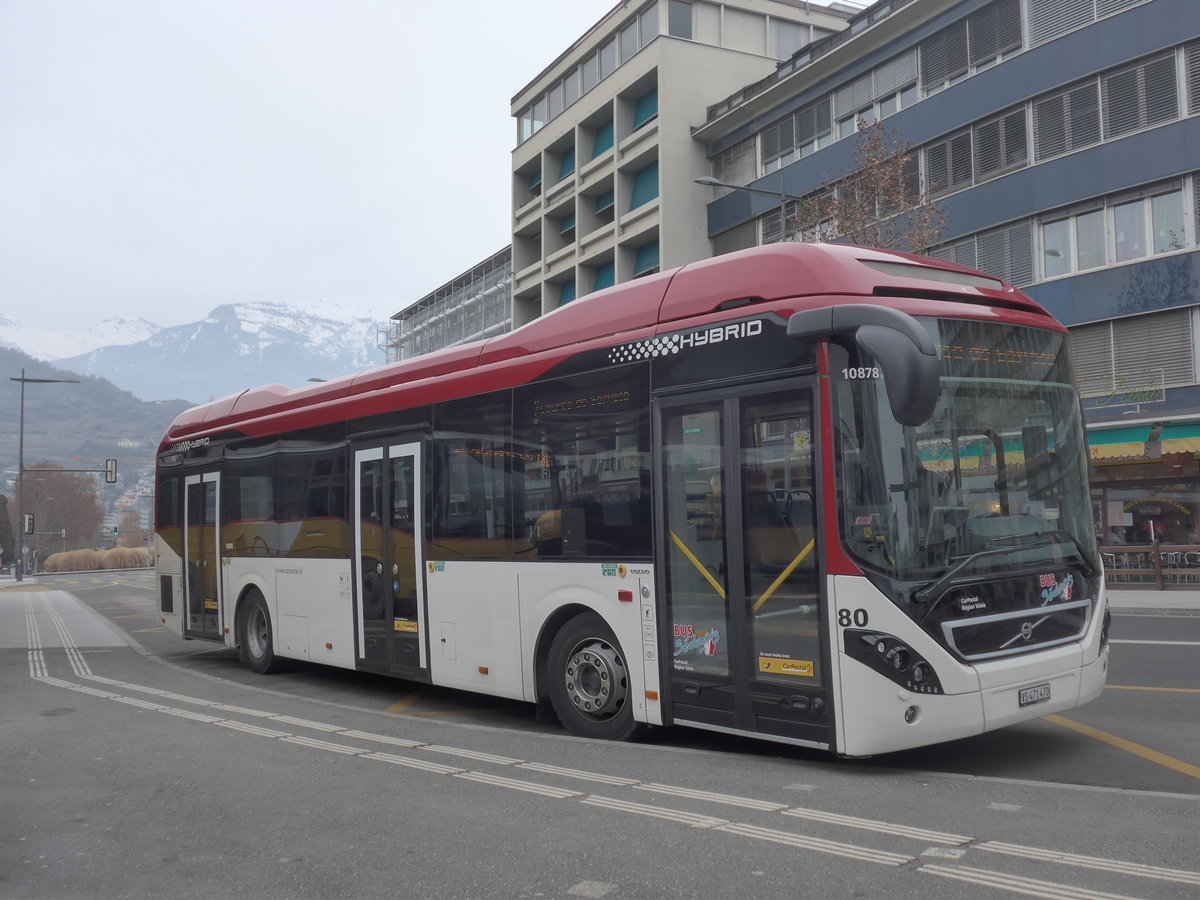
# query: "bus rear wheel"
256,637
588,681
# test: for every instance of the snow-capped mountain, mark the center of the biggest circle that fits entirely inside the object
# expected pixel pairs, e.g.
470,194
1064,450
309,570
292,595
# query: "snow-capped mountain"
236,346
51,344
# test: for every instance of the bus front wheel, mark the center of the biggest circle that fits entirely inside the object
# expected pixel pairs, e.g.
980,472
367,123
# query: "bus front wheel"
588,681
257,640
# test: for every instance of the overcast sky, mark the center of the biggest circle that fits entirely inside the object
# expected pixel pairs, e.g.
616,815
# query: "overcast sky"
161,157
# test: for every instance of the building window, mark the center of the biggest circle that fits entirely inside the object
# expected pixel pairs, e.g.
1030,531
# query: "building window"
591,72
608,59
1056,247
1139,97
787,37
1066,120
948,163
645,186
566,292
1089,240
567,166
1000,144
603,140
571,87
628,40
604,277
604,207
645,108
679,19
1122,232
646,260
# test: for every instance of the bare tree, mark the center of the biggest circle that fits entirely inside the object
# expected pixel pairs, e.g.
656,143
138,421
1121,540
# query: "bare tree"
61,501
879,203
130,532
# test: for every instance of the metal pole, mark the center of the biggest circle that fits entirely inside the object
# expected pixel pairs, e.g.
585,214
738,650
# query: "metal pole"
21,484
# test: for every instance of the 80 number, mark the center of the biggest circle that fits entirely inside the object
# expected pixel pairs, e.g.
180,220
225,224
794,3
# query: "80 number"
858,618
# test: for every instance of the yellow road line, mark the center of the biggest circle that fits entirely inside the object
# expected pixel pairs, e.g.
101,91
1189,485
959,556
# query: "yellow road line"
1130,687
448,712
401,705
1145,753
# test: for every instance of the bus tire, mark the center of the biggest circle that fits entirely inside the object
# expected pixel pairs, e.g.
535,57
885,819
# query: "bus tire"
256,636
588,681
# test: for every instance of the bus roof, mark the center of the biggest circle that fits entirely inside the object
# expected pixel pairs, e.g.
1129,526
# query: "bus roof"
825,272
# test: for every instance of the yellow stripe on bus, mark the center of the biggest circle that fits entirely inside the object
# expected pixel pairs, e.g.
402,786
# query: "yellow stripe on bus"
784,575
716,585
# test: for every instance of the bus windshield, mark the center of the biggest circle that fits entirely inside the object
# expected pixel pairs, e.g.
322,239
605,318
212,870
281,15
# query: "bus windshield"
996,479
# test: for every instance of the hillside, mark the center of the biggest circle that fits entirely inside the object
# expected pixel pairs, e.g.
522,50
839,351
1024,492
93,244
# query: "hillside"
77,426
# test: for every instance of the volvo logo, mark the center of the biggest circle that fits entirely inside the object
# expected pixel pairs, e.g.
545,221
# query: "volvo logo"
1025,633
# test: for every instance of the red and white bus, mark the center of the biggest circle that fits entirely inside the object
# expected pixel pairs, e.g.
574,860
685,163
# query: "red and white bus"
819,494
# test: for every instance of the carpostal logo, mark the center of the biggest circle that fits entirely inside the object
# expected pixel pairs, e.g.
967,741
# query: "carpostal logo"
672,344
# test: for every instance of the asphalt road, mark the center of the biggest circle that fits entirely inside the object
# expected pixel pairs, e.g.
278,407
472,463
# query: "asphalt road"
162,768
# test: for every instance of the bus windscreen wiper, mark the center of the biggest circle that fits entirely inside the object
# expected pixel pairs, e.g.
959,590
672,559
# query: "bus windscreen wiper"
1046,537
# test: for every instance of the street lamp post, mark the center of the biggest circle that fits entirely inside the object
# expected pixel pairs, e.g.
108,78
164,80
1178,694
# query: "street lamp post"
21,460
784,196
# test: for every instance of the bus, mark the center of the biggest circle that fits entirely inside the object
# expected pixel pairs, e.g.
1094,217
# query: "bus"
819,494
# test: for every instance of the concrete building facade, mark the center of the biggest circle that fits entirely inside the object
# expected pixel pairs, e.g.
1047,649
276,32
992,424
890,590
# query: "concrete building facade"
605,148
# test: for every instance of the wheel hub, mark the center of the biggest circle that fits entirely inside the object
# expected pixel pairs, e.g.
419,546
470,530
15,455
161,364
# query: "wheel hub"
595,677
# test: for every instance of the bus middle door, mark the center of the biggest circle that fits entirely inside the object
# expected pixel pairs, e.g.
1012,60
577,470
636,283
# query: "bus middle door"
744,648
389,601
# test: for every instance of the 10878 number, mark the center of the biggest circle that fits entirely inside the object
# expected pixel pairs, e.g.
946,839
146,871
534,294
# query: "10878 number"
858,373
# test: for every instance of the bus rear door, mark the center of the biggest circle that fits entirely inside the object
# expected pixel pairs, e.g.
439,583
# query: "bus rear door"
201,554
744,647
389,581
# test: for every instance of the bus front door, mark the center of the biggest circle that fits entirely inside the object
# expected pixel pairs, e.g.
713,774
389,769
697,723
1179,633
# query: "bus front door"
744,648
389,582
202,586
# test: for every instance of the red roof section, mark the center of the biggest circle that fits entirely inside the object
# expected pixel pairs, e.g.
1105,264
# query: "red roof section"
837,272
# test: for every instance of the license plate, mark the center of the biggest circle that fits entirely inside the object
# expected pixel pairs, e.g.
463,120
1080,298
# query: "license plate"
1035,694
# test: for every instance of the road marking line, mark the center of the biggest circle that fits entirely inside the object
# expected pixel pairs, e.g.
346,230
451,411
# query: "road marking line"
411,763
243,710
655,812
1159,643
404,703
148,630
919,834
818,845
188,714
383,738
548,769
322,745
748,803
473,754
529,787
306,723
250,729
1164,690
1091,862
137,701
1120,743
1016,884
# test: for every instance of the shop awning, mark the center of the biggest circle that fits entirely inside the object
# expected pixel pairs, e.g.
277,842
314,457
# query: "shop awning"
1180,437
1119,443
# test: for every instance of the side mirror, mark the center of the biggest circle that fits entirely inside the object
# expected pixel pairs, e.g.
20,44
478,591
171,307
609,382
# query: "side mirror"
904,350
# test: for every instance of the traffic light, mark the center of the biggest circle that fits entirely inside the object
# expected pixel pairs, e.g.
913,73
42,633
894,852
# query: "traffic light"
114,531
110,471
29,523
